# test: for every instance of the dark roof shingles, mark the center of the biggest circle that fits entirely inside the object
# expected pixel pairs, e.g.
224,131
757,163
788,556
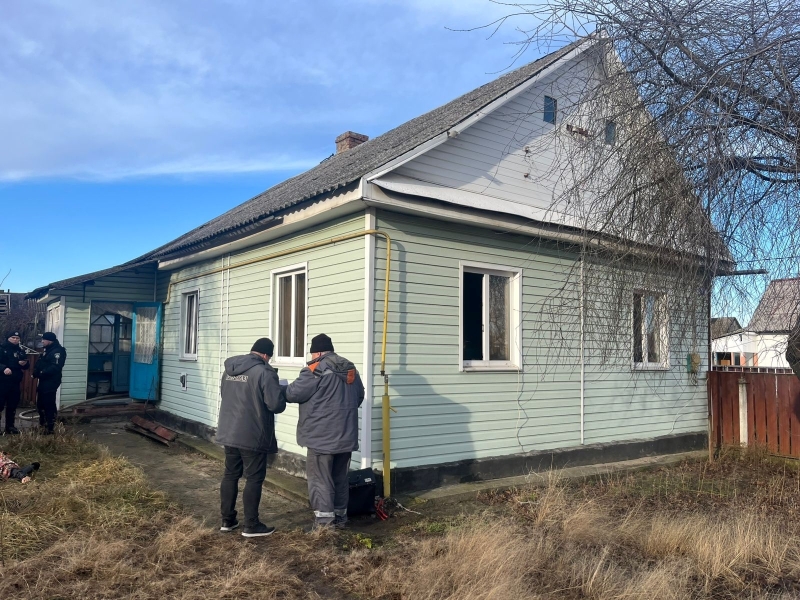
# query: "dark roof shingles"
344,168
341,169
779,307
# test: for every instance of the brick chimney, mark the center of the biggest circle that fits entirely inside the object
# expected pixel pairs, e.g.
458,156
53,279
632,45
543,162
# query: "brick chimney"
349,139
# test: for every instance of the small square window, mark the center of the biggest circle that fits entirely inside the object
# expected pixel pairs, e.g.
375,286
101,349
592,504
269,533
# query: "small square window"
189,321
611,133
289,289
489,317
650,331
550,109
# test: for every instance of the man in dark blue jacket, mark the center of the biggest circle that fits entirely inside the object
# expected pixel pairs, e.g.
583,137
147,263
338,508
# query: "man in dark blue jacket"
329,392
13,361
48,371
251,397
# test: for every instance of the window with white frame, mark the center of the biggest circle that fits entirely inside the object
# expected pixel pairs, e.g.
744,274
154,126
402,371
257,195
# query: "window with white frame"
650,331
490,309
189,321
289,313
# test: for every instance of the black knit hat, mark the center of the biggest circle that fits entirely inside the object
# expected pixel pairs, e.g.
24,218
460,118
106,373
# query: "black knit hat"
263,346
49,336
12,333
321,343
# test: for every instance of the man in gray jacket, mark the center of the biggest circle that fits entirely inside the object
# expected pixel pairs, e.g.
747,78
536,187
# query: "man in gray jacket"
251,397
329,392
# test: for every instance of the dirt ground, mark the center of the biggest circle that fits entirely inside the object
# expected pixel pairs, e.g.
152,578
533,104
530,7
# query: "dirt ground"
190,479
123,523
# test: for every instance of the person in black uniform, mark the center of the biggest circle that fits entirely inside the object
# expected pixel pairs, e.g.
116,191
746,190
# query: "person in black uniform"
13,361
48,370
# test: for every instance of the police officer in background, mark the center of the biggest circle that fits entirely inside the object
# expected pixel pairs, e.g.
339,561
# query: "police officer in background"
13,361
48,370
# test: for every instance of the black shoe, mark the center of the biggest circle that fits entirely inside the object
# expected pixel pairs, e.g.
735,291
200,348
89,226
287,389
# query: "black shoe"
259,530
340,522
229,525
12,431
35,466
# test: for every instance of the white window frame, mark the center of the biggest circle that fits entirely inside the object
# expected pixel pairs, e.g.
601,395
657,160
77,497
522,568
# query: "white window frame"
274,308
645,365
184,324
515,325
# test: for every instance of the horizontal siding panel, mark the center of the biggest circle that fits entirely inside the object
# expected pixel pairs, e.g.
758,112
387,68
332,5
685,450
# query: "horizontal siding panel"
234,311
444,414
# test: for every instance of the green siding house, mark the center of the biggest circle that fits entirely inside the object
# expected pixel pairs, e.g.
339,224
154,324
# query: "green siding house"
486,380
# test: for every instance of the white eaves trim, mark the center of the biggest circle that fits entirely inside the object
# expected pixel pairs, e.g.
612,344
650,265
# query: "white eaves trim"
511,94
414,187
474,118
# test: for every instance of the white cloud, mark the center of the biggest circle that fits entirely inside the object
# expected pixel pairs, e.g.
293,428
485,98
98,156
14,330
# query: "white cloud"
104,90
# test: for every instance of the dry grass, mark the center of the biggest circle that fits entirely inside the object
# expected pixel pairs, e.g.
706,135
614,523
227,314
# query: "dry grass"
647,536
90,527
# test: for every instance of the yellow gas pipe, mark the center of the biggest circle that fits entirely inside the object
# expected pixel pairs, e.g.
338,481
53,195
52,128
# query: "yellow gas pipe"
387,469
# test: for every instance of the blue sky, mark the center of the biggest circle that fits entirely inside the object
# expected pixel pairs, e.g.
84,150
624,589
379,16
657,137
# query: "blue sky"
126,124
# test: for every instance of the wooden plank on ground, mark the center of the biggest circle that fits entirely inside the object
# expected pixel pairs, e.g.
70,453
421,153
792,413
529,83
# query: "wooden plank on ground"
154,428
146,433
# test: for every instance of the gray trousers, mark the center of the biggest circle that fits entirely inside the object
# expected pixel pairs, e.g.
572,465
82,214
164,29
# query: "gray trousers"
328,487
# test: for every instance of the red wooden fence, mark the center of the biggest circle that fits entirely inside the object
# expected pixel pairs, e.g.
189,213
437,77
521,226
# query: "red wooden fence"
28,385
771,410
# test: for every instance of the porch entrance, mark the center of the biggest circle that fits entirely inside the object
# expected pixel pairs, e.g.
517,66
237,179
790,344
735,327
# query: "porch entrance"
124,339
110,343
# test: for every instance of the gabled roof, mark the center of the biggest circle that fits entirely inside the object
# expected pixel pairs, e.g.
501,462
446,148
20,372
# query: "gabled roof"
723,326
346,167
779,307
338,171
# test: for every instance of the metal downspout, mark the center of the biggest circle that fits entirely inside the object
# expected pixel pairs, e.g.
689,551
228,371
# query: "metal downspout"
583,343
341,238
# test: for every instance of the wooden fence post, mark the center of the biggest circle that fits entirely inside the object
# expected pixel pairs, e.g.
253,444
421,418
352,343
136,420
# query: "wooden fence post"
743,411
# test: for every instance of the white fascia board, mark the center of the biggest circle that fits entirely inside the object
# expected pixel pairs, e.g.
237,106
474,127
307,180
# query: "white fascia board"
511,94
406,157
415,187
337,205
475,117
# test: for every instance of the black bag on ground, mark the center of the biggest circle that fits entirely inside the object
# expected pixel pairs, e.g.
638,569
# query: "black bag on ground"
362,493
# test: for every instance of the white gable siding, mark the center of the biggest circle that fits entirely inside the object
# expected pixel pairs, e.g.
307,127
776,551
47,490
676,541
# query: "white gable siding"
513,154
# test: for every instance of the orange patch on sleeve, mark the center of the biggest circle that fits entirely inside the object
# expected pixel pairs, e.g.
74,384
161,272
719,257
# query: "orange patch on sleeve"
351,376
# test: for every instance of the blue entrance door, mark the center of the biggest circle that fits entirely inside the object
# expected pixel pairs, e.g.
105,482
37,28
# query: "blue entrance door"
145,351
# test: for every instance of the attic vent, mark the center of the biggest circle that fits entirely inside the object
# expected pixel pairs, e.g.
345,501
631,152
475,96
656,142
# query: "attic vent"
577,130
5,304
348,140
